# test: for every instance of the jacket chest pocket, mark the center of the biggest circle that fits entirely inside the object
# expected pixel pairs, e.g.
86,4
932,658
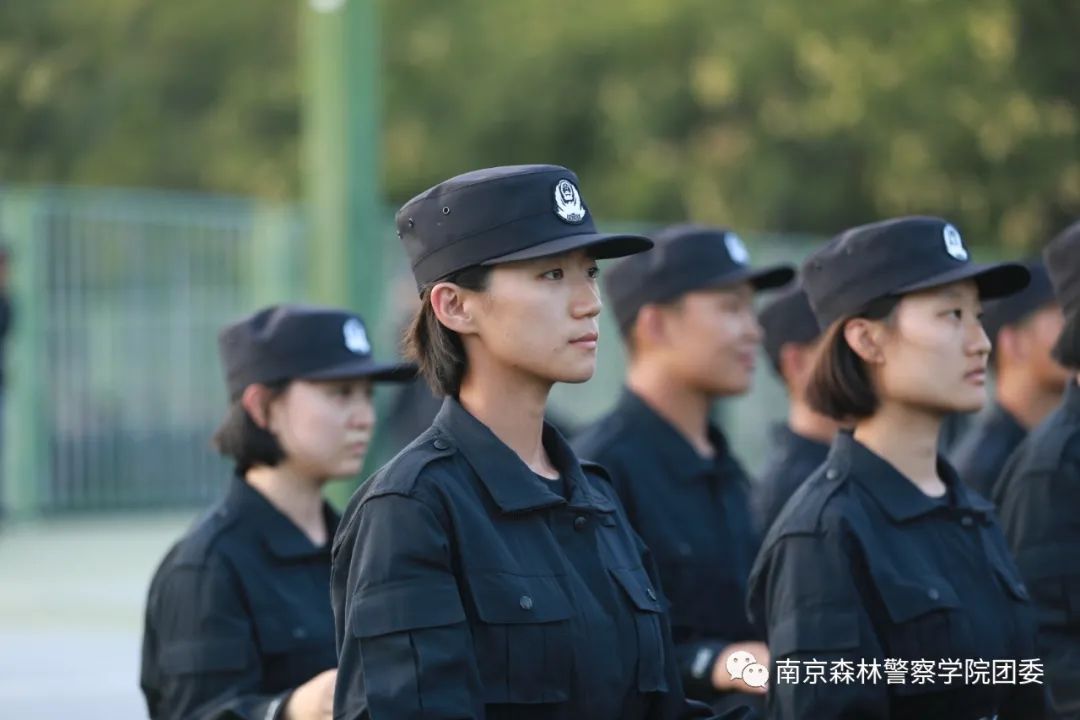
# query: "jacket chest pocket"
523,642
291,648
925,622
647,612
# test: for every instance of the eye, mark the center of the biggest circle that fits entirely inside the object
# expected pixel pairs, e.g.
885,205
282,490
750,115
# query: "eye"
594,272
954,313
556,274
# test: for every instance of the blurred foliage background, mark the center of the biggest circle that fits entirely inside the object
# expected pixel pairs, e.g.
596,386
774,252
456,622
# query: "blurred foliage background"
777,115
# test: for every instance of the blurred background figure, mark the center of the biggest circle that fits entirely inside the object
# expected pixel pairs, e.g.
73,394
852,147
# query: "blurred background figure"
685,309
1028,381
1038,495
238,619
801,443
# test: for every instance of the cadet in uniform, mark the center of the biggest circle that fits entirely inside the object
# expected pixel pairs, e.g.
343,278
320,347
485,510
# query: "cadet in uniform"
884,558
485,572
799,446
1028,381
685,310
1038,497
238,620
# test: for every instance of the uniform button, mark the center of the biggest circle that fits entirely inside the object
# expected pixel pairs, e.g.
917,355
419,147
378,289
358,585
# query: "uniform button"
441,444
579,522
967,521
525,602
651,593
933,594
831,473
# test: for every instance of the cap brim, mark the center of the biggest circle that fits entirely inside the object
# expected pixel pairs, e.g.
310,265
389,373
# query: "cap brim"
366,369
601,246
994,281
766,278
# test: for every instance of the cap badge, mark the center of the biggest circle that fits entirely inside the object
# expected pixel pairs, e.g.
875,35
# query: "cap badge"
736,249
356,338
568,203
953,244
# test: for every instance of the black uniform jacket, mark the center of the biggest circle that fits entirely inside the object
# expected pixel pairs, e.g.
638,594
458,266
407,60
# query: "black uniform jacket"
981,454
238,614
694,514
863,567
1038,498
464,586
792,459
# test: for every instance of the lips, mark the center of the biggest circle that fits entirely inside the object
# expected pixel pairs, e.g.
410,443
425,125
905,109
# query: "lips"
590,337
976,376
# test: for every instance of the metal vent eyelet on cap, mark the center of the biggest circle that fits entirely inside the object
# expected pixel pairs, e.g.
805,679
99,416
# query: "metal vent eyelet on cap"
446,211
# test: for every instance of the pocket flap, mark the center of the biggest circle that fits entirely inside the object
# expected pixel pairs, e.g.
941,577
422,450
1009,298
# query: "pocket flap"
505,599
908,599
397,607
810,631
639,588
205,656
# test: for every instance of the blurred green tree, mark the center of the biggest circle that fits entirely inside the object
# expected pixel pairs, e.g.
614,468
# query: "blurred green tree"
776,114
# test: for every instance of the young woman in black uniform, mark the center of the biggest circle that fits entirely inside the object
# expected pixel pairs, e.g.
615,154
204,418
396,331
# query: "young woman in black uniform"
238,619
883,558
485,572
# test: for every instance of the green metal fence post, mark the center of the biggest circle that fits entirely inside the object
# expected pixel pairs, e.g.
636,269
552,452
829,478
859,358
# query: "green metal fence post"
25,458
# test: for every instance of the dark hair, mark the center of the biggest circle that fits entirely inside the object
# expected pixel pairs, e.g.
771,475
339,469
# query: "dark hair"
436,349
1067,348
840,386
239,438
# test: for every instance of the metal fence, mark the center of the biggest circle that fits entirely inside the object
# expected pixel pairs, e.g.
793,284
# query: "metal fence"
114,385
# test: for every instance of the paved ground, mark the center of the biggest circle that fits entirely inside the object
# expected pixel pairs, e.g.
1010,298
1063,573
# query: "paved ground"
71,603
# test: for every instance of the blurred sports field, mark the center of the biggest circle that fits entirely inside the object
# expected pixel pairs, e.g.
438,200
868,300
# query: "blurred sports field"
71,597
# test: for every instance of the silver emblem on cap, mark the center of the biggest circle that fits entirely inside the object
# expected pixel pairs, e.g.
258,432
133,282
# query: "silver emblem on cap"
356,338
568,205
954,245
736,249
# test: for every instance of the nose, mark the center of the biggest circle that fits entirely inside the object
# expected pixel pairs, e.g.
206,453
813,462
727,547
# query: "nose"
978,341
362,413
586,301
754,332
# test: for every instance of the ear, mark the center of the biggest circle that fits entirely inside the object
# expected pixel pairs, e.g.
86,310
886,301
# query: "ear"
256,401
1011,344
650,326
793,361
451,304
864,338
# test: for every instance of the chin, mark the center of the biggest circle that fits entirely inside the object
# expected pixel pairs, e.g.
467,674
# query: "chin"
575,378
968,404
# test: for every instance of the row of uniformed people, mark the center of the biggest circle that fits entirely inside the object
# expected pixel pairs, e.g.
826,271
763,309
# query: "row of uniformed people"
485,571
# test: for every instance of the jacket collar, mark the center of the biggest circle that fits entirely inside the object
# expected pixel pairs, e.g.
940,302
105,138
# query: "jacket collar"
897,496
280,535
680,459
509,481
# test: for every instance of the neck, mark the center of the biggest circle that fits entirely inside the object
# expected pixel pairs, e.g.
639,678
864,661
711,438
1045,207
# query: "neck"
296,496
684,408
512,407
809,424
907,438
1025,398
